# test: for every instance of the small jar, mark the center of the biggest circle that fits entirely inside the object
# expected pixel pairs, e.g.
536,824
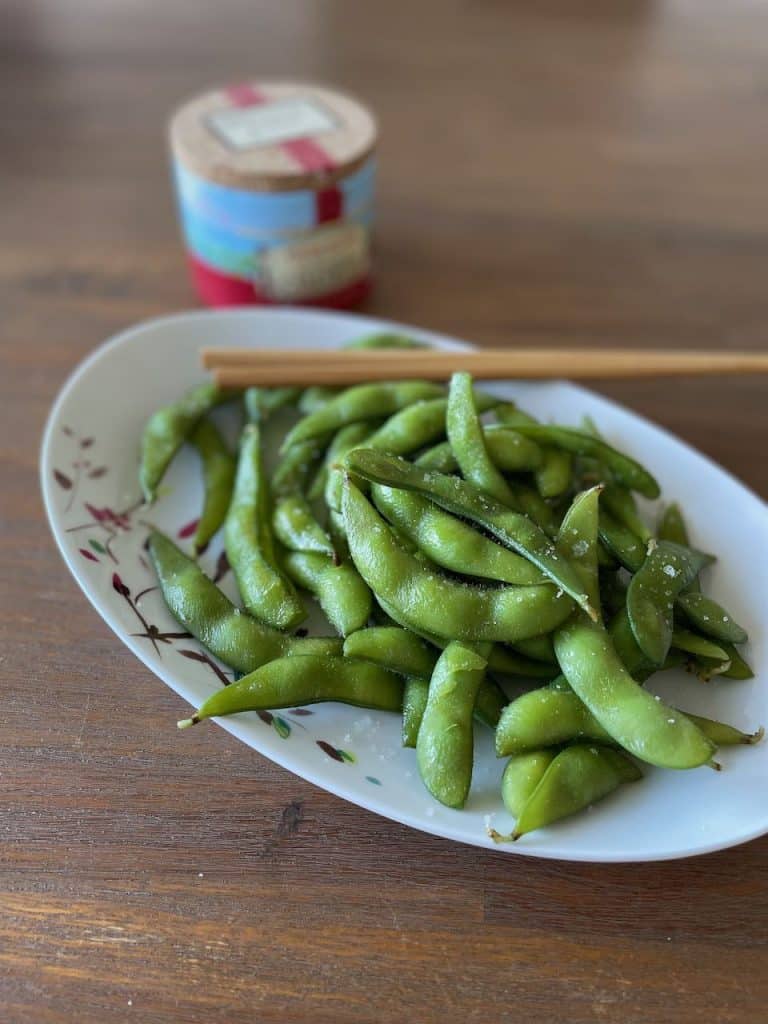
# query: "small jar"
274,182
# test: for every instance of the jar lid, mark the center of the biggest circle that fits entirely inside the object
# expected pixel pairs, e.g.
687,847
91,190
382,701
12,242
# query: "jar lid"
272,136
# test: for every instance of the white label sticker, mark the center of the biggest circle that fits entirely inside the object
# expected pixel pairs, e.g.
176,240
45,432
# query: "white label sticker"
324,260
268,123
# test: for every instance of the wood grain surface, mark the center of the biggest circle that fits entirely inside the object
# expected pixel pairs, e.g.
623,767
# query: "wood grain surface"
571,174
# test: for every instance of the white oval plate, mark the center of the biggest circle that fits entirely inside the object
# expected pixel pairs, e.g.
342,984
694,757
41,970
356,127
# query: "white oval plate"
89,481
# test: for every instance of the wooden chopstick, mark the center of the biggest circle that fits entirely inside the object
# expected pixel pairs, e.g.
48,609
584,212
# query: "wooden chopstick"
242,367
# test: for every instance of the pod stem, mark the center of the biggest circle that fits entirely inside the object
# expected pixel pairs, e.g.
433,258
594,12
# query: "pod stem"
499,837
185,723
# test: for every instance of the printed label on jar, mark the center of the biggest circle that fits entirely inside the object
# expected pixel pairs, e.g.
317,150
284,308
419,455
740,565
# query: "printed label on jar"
322,261
271,123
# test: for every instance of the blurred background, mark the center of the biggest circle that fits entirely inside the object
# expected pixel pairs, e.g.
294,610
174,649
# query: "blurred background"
549,172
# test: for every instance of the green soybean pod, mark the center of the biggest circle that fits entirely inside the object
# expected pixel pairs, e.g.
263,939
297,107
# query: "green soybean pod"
619,502
506,661
509,415
362,402
643,725
341,592
633,659
577,541
578,777
702,611
621,542
667,570
699,646
386,339
738,668
294,682
491,699
393,647
267,593
624,470
521,776
418,425
218,478
168,428
509,452
465,435
439,605
537,648
513,529
450,542
710,618
341,442
672,526
445,743
203,610
545,718
554,715
293,520
260,403
296,527
415,696
315,397
553,477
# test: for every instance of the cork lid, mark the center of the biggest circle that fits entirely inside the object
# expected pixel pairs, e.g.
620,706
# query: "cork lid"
272,136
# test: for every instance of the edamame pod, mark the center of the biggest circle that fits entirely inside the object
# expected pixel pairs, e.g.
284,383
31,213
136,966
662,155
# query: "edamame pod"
577,541
553,477
296,526
643,725
625,470
341,442
168,428
260,403
491,699
343,595
577,777
417,426
509,452
445,743
415,697
521,777
551,716
200,607
621,542
672,526
393,647
294,682
450,542
218,478
465,435
545,718
438,605
362,402
266,592
711,618
461,498
668,569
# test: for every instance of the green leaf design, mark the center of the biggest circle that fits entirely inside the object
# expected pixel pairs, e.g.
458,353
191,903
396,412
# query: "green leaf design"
345,754
281,727
98,547
373,779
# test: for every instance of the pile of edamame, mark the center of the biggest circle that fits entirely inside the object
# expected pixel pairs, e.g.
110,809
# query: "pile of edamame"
472,563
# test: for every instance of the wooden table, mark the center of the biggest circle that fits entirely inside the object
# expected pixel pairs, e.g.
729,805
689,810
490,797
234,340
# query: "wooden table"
550,172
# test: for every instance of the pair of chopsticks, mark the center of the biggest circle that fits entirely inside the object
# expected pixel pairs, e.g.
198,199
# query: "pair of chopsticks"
246,367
